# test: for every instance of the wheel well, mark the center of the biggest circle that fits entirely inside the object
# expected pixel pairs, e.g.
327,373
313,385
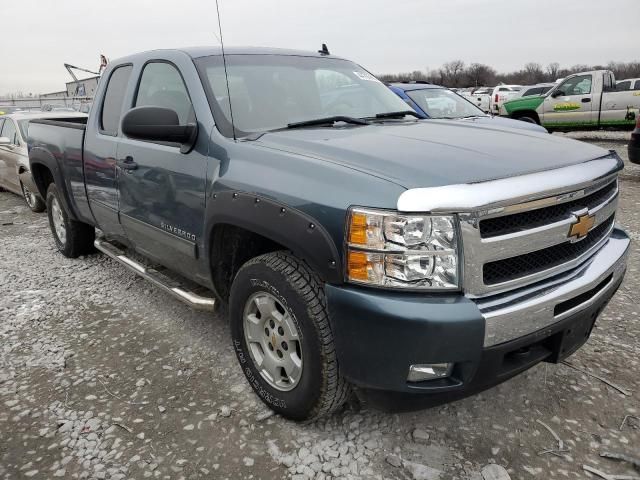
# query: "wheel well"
527,113
42,177
232,247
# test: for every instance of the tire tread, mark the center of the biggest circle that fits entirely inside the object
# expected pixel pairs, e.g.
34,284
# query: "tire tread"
335,389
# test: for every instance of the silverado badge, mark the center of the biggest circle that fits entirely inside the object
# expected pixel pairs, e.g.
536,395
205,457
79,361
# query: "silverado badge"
581,226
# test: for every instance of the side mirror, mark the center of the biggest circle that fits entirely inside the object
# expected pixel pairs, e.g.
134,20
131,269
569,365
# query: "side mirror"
5,141
557,93
158,124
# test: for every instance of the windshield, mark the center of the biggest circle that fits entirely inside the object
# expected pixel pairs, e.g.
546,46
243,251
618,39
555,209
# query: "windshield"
443,103
269,92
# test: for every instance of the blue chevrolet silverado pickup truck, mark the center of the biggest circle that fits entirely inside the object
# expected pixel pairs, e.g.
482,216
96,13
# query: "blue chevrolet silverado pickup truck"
356,246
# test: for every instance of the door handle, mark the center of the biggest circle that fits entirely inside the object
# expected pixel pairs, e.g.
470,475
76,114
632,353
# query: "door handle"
127,163
586,100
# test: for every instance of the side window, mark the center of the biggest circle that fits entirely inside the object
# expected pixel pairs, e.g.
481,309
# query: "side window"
624,86
161,86
637,85
9,131
580,85
113,97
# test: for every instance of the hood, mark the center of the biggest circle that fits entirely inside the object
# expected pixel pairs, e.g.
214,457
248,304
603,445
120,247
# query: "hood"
433,153
505,123
524,103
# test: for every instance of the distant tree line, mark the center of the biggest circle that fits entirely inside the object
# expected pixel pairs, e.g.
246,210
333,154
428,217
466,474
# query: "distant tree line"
458,74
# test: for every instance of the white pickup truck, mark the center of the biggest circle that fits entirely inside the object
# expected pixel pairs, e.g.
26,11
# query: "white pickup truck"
582,100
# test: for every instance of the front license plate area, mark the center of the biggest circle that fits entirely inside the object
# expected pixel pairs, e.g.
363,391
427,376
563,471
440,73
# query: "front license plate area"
572,337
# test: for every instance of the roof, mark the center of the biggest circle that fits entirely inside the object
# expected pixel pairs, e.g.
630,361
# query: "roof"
206,51
415,86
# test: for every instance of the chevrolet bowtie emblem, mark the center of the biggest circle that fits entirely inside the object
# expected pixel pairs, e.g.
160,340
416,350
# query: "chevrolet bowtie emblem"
580,228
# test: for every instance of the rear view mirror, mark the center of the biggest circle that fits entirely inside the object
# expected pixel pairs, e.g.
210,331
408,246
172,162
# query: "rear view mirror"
157,124
557,93
5,141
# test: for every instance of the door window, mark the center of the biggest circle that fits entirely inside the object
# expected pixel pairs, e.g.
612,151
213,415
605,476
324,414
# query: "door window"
112,103
637,85
162,86
580,85
9,131
624,86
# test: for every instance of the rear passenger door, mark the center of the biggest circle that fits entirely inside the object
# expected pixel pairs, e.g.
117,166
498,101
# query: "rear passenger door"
99,156
162,200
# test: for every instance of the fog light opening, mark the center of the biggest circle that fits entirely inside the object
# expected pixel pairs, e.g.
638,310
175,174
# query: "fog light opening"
429,371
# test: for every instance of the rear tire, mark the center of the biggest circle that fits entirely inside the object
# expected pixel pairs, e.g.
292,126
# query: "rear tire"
33,200
72,238
294,370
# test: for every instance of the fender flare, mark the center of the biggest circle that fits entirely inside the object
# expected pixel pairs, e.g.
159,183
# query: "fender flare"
43,157
289,227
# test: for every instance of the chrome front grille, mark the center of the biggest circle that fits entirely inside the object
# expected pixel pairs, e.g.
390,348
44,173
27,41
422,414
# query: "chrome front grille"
512,246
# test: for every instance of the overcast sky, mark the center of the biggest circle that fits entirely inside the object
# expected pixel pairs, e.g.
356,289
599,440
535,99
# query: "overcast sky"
385,36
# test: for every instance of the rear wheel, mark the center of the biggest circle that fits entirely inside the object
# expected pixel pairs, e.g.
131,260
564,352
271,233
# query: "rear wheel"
72,238
283,339
34,202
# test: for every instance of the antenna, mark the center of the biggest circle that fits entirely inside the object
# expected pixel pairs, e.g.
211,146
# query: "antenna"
324,50
226,75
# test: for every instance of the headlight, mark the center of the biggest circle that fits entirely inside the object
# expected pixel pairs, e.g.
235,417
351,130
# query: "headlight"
403,251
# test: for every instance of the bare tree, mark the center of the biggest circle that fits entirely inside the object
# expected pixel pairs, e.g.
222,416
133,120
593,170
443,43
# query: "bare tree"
452,72
533,73
478,74
552,71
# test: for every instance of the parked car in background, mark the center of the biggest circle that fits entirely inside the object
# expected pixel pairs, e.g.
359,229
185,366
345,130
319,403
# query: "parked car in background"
481,98
582,100
538,89
436,102
628,84
634,143
356,245
501,94
6,109
15,174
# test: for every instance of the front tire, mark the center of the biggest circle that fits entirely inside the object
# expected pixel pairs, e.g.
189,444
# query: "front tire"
528,120
33,200
72,238
283,339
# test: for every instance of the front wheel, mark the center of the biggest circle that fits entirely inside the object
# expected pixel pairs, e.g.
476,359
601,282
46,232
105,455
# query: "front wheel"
72,238
34,202
283,339
527,119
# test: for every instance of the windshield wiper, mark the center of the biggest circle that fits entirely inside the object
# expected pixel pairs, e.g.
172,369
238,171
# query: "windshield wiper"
401,114
328,121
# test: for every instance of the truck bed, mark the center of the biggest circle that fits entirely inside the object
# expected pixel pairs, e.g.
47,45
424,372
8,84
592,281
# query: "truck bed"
61,141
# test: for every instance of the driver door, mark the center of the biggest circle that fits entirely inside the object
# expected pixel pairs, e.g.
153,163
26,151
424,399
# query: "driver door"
573,107
162,190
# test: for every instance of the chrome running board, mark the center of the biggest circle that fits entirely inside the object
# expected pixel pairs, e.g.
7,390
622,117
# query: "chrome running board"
157,278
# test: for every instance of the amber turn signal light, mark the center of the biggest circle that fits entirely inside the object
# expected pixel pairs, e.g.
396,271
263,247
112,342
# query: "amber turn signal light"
358,263
358,229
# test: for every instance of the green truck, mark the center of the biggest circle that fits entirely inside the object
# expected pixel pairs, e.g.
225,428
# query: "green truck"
582,100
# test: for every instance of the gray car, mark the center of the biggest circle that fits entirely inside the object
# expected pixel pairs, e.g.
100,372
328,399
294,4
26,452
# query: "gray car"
14,160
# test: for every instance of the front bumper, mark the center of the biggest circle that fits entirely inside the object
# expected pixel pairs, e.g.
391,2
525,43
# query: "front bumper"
379,334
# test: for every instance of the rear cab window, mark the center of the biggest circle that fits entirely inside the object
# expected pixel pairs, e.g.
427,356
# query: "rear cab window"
112,103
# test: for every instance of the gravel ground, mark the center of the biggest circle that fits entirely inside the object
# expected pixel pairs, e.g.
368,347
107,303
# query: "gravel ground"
103,376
